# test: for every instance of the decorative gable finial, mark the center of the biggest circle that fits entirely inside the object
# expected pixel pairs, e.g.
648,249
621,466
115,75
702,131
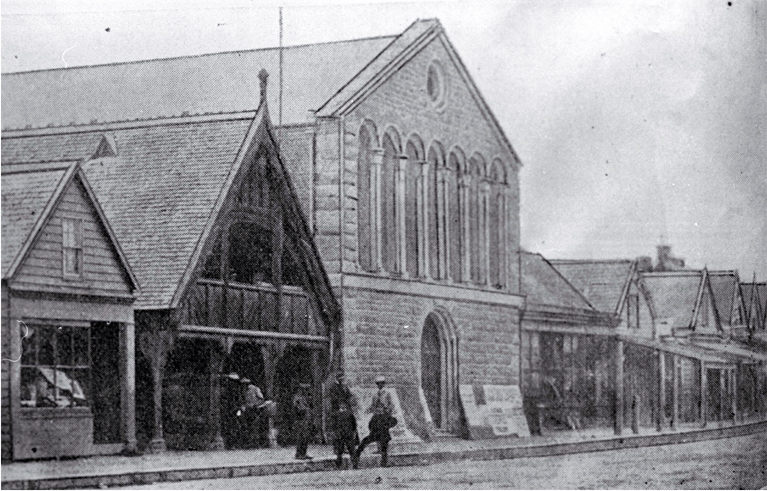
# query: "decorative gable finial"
263,75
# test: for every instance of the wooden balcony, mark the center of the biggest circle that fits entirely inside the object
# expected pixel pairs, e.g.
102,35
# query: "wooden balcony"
247,307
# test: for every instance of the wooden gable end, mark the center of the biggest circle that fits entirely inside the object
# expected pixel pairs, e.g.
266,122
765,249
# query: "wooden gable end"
252,275
100,269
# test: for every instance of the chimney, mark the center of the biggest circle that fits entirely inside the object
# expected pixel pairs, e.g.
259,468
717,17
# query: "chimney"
644,264
664,252
667,262
263,75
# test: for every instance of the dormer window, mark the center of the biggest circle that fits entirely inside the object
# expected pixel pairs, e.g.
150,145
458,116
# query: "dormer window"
72,246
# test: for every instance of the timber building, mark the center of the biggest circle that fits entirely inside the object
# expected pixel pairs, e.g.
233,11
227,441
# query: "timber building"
67,313
674,347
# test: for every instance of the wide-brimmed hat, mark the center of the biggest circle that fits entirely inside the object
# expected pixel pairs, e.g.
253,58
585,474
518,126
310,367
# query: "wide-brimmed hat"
380,379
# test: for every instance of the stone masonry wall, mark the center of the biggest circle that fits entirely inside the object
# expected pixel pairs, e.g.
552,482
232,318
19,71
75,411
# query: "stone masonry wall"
382,335
327,214
402,103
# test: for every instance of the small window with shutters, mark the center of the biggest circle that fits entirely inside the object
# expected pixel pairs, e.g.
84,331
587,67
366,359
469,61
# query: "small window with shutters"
72,247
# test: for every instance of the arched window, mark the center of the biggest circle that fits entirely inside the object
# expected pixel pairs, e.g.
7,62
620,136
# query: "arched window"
476,214
455,219
389,248
414,222
436,161
496,225
365,243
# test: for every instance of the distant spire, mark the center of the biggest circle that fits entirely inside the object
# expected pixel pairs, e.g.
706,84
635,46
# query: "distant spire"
263,75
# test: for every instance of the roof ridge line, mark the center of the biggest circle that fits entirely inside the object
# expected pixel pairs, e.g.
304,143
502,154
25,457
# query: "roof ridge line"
589,261
129,124
275,48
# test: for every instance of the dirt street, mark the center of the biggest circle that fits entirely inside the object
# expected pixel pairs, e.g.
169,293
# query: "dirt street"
735,463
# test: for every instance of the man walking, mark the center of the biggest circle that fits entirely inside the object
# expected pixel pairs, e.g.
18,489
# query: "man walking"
344,424
302,420
382,420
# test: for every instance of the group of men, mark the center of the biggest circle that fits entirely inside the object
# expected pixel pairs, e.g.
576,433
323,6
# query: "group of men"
344,423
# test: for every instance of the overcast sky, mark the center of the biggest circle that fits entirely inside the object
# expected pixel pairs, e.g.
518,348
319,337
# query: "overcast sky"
633,119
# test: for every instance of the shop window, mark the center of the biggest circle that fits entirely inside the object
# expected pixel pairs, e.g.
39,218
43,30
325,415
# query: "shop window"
72,246
55,366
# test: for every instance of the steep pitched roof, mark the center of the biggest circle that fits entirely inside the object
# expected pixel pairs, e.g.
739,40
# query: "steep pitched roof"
542,284
603,282
390,60
754,297
674,295
205,84
164,190
27,200
726,288
157,194
30,193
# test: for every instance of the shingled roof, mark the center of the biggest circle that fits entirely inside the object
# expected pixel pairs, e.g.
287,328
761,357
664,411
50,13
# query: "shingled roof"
603,282
543,285
25,198
157,194
163,189
30,193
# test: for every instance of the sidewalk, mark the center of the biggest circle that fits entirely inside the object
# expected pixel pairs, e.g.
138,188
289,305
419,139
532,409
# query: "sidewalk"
107,471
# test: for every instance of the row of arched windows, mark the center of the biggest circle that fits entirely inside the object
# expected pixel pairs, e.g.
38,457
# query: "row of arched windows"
424,213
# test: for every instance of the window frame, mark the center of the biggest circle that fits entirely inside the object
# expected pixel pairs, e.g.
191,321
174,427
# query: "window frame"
56,326
77,237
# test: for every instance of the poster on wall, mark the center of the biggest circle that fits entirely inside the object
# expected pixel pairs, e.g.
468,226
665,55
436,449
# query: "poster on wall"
494,411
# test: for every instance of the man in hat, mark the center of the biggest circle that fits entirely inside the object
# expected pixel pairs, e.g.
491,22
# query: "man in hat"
253,424
382,408
302,425
343,422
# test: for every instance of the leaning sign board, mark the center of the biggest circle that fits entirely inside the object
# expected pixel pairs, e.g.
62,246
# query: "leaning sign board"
400,433
494,411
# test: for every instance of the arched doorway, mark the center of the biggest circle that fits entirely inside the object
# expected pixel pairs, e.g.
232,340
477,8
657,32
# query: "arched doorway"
439,371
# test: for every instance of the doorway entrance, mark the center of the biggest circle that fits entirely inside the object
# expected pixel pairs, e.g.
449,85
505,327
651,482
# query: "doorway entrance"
439,371
294,367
